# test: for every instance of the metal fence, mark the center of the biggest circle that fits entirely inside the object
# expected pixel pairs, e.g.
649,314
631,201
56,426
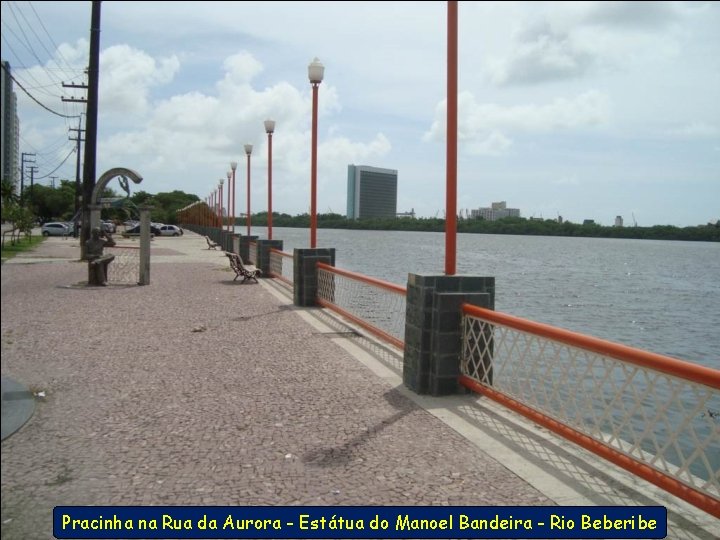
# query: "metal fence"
252,253
376,305
281,266
125,268
655,416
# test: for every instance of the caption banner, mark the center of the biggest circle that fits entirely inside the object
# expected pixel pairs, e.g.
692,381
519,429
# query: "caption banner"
127,522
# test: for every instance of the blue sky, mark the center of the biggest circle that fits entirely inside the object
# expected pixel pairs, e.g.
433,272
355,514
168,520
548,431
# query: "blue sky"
584,109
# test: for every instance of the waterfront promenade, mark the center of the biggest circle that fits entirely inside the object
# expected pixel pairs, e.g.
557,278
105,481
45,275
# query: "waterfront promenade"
197,390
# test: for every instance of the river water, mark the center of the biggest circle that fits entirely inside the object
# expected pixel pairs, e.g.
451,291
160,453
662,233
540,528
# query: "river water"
657,295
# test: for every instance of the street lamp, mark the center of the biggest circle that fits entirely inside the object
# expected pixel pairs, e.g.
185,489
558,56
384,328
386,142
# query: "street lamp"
316,71
230,190
233,166
220,199
270,129
451,140
214,201
248,151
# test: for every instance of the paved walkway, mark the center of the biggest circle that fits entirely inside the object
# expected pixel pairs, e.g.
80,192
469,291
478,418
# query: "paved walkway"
197,390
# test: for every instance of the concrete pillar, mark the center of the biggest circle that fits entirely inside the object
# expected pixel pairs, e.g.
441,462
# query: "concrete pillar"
144,278
305,281
244,247
226,240
95,216
433,335
263,250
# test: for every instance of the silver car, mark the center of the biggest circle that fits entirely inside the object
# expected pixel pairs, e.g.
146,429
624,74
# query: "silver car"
56,228
170,230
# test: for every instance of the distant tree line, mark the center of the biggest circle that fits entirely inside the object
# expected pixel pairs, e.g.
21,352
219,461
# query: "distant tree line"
510,225
57,203
46,203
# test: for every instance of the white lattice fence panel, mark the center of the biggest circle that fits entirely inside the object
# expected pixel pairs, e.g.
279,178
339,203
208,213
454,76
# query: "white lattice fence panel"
665,421
281,266
378,307
125,268
252,252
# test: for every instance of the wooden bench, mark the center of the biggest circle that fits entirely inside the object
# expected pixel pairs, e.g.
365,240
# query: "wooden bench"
241,269
211,244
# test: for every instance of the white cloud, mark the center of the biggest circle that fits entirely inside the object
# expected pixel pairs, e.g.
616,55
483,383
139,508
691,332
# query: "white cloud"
557,45
695,130
482,126
540,56
202,133
127,75
495,144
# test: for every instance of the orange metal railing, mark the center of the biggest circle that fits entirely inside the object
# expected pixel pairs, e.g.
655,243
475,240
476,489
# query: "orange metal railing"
376,305
281,266
655,416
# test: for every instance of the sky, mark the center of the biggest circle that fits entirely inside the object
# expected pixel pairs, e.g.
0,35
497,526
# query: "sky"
587,110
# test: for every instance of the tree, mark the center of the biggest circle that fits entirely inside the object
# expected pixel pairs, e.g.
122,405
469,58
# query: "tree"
8,193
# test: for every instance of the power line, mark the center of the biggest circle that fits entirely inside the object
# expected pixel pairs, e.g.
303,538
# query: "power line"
61,164
59,52
28,72
34,99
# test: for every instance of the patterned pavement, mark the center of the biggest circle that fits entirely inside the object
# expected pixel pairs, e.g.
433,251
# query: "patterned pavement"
197,390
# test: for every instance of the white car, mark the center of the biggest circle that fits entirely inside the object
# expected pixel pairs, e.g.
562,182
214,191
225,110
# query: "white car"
56,228
170,230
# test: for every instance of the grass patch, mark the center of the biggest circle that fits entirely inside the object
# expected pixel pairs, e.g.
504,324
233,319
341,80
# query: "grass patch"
24,244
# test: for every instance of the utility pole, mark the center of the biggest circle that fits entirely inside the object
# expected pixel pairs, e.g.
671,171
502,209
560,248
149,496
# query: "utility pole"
32,179
91,124
78,188
22,172
52,181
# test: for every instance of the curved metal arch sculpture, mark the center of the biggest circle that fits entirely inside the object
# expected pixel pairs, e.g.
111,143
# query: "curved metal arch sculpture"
108,175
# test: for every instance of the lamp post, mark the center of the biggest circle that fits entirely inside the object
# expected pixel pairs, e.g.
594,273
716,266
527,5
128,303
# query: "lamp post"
220,200
233,166
230,190
214,203
451,157
270,129
248,151
316,71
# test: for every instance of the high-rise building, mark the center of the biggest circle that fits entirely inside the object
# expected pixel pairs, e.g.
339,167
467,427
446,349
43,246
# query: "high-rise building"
371,192
10,131
497,210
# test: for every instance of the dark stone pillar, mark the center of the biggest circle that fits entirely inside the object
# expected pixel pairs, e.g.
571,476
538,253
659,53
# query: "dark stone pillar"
244,247
433,335
305,282
263,250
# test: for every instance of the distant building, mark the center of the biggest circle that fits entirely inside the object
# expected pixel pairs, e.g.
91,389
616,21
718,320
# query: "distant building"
371,192
618,221
10,136
497,210
410,214
588,222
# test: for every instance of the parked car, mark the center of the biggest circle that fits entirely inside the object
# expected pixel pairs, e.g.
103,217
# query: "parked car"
108,226
170,230
56,228
136,230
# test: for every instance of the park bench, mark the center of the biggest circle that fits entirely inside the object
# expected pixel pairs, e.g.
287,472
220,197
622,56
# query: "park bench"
240,269
211,244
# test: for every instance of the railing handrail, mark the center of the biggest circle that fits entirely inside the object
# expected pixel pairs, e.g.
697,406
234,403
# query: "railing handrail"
642,470
679,368
392,287
281,253
382,334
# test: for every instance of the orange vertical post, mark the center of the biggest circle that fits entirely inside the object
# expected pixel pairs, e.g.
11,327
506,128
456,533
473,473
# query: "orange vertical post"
451,158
